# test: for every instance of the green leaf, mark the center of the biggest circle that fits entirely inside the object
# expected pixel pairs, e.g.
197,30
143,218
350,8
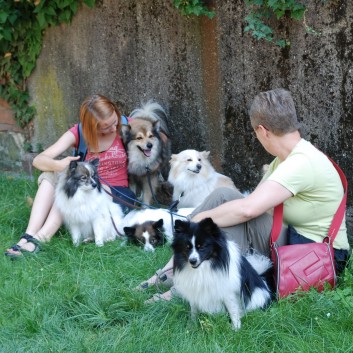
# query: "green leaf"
74,7
3,17
65,16
282,43
41,19
50,11
7,34
90,3
61,4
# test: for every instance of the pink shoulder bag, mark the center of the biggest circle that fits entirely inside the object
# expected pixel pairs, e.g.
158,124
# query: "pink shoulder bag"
301,266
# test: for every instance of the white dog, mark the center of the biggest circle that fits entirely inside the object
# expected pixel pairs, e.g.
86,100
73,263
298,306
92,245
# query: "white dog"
87,210
194,178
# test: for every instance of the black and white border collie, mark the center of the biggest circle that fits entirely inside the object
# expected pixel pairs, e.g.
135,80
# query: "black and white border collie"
212,275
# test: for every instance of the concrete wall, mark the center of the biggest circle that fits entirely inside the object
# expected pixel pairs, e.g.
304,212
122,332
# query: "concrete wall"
205,72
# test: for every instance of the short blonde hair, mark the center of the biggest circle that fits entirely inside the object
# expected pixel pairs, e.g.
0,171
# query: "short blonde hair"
275,111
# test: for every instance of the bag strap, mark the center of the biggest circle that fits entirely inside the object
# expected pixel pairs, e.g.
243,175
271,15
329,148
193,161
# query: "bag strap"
277,223
124,120
81,149
337,218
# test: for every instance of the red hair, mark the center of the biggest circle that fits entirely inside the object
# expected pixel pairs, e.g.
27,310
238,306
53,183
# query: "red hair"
94,109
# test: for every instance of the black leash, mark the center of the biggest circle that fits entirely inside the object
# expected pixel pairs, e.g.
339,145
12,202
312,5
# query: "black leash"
148,170
116,228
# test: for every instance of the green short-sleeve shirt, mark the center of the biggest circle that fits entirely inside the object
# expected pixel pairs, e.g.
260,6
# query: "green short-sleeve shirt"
317,192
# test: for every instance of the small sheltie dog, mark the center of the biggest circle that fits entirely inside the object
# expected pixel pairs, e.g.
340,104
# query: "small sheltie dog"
151,227
87,211
148,147
194,178
212,275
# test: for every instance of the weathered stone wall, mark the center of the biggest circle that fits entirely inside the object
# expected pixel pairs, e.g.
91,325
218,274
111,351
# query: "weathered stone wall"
205,72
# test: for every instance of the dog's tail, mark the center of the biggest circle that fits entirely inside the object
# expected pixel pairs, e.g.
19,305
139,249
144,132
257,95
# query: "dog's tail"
260,263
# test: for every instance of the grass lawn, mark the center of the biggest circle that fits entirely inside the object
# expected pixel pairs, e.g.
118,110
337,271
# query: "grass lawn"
68,299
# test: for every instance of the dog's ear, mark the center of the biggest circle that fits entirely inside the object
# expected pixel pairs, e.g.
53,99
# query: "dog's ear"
209,227
72,166
180,226
205,154
125,133
158,224
95,162
173,158
157,125
130,232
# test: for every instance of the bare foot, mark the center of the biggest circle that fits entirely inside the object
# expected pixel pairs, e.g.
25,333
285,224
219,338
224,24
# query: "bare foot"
22,244
163,277
147,284
166,296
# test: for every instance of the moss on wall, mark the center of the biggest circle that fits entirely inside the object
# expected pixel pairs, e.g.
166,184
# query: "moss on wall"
52,118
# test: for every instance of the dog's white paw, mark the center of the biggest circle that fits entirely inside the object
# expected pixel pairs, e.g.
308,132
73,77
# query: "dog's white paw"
236,322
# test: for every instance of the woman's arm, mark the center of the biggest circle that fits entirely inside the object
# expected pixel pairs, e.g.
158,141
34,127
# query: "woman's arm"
46,161
266,196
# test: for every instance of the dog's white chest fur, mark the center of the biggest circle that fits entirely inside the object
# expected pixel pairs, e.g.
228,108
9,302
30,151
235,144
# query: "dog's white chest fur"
193,177
88,213
206,289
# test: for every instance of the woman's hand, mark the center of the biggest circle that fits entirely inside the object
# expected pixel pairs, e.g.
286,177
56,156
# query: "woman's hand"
266,196
46,161
65,162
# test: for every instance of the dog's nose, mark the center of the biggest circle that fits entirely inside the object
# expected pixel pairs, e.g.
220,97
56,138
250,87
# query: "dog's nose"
149,145
94,185
198,166
193,261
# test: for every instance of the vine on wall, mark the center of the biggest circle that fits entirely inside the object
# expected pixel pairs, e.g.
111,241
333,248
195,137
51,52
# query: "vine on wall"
22,26
261,11
193,7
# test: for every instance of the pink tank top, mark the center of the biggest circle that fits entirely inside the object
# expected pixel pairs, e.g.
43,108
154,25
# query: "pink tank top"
112,162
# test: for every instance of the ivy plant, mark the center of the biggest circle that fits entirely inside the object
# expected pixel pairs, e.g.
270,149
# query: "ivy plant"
193,7
261,11
22,26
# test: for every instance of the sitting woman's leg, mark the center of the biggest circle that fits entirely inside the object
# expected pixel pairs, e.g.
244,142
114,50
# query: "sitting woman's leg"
254,234
216,198
44,220
124,197
163,276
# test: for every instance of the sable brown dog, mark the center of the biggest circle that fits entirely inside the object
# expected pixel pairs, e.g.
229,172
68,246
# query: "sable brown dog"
149,149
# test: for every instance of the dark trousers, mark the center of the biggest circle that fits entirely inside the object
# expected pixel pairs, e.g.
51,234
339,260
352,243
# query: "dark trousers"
124,197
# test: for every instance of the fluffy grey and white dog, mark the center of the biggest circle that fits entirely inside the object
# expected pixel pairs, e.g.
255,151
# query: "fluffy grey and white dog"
87,211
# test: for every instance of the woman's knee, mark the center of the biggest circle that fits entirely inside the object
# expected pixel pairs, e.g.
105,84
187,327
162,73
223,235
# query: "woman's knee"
216,198
50,177
224,194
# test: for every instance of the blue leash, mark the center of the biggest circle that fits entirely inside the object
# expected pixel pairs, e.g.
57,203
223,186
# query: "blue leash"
169,209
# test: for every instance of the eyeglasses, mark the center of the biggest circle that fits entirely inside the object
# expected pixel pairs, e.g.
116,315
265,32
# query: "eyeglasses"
255,129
